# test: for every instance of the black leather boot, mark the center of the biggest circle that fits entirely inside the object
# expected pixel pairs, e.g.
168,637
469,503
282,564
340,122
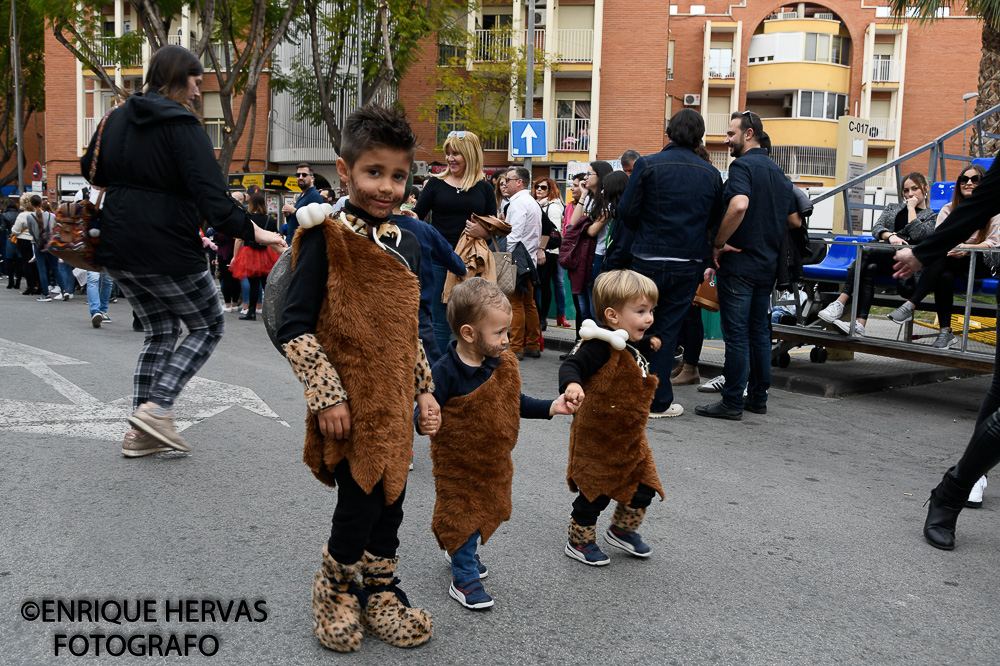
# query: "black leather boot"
947,500
251,315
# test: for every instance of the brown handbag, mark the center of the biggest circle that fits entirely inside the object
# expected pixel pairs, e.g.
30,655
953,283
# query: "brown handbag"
707,296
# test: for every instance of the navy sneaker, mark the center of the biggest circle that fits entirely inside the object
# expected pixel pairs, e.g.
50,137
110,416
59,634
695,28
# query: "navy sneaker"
483,571
472,596
630,542
588,553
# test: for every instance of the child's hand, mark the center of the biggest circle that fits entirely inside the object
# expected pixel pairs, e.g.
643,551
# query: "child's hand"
562,406
573,394
430,414
335,421
655,343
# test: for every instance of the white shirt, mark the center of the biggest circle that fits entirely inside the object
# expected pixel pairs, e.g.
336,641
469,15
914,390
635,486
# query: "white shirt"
524,216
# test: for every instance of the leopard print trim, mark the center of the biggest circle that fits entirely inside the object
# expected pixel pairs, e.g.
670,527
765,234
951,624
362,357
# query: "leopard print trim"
580,535
388,616
336,611
423,379
626,518
311,366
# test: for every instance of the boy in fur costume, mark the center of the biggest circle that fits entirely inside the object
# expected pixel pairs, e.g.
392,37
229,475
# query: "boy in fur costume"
478,386
349,331
609,456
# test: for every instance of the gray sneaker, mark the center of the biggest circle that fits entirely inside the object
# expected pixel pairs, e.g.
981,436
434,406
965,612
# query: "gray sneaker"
137,444
159,423
902,314
945,340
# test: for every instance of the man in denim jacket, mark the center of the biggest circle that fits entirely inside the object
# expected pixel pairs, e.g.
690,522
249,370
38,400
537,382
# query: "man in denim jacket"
672,200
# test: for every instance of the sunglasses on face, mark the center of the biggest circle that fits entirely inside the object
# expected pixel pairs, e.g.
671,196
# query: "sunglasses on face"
962,180
457,135
541,187
301,175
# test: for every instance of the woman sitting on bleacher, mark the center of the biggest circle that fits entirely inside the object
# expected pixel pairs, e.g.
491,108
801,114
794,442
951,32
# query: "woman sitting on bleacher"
940,276
904,223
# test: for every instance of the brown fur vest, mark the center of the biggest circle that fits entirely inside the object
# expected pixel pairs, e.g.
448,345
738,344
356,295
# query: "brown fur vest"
471,454
368,328
608,451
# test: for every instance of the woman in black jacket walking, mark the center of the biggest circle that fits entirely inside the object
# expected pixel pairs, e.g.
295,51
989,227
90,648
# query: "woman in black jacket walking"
159,172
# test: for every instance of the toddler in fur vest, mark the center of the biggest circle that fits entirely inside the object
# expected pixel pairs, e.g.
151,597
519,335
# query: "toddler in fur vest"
349,331
607,379
478,385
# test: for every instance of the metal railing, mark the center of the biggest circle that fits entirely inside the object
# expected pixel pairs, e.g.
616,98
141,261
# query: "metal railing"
105,50
886,128
496,45
89,127
722,73
885,70
496,143
574,45
569,134
174,40
784,16
826,16
806,160
716,123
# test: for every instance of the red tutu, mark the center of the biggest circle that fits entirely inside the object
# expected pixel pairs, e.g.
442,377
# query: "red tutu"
250,262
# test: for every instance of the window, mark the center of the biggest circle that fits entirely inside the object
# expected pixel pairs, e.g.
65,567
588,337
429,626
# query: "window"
670,58
881,12
821,104
447,121
827,48
720,63
673,10
450,55
697,9
942,12
214,120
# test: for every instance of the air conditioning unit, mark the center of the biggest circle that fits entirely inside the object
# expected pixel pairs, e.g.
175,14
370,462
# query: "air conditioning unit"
787,103
691,99
539,19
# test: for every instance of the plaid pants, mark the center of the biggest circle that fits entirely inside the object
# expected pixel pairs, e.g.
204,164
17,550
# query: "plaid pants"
162,302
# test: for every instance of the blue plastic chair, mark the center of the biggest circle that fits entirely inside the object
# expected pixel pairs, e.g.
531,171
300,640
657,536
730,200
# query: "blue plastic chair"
985,162
941,193
833,268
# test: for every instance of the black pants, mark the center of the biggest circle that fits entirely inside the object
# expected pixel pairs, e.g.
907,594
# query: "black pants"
15,267
363,521
940,277
585,512
875,261
29,271
692,335
230,286
256,284
547,273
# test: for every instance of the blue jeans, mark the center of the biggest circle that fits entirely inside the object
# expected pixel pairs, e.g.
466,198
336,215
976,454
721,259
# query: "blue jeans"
677,282
743,310
463,562
98,292
245,283
439,310
48,273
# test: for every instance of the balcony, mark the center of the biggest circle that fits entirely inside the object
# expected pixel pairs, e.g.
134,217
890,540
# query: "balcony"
496,45
885,70
107,47
721,73
89,127
886,128
496,142
801,75
806,160
716,124
569,134
174,40
576,45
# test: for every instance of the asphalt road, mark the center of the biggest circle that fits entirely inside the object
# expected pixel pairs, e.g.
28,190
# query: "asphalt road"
789,538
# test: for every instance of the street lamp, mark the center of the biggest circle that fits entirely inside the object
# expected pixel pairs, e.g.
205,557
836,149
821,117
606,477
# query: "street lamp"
965,116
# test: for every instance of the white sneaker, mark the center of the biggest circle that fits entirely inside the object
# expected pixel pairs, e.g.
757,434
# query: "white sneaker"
713,385
670,412
844,327
243,311
976,496
832,312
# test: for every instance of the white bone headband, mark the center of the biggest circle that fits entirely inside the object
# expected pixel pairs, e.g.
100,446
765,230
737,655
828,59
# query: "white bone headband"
589,330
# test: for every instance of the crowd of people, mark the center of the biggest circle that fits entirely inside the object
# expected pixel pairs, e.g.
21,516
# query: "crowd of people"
408,315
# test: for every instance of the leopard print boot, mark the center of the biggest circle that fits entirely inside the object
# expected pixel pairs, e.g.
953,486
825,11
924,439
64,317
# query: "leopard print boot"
387,615
627,519
335,606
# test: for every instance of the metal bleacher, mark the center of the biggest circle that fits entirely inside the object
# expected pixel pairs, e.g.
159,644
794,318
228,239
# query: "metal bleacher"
822,281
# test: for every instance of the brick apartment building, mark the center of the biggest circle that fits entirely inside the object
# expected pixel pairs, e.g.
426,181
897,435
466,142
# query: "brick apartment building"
623,68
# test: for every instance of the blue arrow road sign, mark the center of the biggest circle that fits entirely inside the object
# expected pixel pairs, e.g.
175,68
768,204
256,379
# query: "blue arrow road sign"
528,138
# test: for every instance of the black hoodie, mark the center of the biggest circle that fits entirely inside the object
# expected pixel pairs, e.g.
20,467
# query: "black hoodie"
159,170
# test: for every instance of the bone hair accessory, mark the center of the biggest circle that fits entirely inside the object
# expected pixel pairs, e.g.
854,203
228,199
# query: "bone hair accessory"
589,330
310,215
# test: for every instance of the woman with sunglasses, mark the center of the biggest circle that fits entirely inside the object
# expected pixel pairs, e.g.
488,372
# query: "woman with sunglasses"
590,219
450,198
940,276
905,223
551,273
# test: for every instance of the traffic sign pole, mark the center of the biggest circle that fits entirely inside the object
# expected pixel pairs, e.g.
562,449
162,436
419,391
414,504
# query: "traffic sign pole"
529,93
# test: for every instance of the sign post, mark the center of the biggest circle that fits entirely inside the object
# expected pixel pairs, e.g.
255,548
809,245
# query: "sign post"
852,161
529,93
